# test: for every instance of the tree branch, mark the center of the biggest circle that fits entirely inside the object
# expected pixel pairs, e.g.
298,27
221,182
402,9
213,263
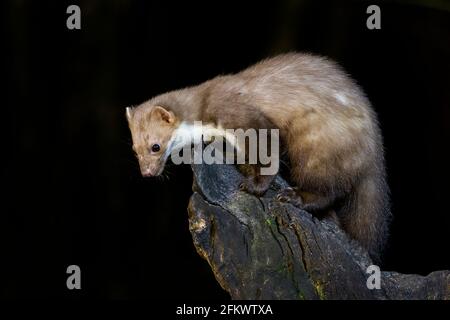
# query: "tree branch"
260,248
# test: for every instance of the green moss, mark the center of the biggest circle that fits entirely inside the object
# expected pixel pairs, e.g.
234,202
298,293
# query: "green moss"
283,268
319,290
270,222
301,296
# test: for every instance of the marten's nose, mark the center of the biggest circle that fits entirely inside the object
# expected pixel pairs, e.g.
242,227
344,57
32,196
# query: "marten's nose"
147,172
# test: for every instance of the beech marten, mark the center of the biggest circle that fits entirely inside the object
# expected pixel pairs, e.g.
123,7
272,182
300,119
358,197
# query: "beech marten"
328,128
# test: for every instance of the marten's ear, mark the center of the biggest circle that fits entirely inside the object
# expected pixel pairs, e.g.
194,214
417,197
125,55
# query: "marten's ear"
128,113
163,114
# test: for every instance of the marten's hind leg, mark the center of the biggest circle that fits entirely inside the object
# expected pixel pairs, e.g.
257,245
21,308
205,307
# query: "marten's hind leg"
316,187
311,202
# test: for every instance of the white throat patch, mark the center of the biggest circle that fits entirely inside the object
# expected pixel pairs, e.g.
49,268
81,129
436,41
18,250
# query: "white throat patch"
195,133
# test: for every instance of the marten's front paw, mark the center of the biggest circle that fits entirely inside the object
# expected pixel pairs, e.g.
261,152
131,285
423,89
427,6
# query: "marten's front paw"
252,188
290,195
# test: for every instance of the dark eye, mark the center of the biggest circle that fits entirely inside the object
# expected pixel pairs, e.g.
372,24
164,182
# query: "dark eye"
156,147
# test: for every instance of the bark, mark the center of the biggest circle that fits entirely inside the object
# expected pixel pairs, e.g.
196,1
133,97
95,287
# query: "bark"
260,248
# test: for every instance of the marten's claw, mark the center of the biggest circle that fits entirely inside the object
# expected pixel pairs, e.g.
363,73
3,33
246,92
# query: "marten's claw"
243,186
290,195
286,194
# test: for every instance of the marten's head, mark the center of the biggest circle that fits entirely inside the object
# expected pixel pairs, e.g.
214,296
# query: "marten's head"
152,128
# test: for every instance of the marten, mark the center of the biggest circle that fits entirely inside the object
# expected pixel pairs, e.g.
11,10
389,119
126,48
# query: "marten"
330,134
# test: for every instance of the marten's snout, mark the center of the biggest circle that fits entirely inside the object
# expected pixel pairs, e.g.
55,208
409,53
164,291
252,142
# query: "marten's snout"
147,173
149,170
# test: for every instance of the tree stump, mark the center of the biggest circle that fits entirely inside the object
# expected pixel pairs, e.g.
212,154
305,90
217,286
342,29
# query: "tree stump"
260,248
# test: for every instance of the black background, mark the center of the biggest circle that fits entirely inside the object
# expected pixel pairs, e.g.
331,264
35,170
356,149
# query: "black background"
72,193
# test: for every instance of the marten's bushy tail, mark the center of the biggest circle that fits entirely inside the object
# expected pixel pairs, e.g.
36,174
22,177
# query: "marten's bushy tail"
366,215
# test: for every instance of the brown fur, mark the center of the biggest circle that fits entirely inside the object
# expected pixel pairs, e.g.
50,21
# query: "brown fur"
328,127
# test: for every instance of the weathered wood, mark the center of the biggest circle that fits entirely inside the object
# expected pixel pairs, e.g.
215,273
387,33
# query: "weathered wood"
260,248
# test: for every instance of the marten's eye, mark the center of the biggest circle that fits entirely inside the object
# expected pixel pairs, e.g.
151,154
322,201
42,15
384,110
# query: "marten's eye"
156,147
